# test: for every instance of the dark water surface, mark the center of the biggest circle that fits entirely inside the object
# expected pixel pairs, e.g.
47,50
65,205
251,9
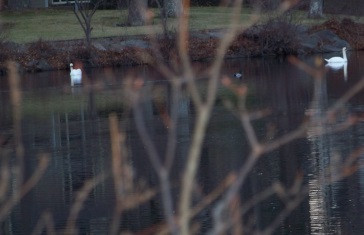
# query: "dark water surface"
72,125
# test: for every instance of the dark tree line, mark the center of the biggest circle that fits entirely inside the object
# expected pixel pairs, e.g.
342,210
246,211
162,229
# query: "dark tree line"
315,7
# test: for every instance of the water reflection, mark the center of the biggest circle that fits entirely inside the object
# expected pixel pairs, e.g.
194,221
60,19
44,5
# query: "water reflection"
72,124
328,198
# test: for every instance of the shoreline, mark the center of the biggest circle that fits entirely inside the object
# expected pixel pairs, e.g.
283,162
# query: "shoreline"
273,39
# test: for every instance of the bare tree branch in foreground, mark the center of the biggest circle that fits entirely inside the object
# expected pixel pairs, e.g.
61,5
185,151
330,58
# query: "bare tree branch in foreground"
229,212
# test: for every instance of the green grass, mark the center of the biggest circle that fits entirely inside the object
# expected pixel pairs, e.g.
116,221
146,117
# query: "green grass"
62,24
52,25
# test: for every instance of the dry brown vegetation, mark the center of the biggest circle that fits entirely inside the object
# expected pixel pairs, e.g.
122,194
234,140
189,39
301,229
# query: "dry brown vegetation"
346,29
277,38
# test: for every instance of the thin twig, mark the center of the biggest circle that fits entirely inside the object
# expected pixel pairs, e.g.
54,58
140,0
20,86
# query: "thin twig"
289,207
26,187
154,157
203,108
172,128
144,134
116,172
45,222
4,177
16,99
80,199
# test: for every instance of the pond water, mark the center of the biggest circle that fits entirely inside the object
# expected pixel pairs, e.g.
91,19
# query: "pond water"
72,125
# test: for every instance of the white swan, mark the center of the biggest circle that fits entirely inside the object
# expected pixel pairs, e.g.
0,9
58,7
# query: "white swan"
76,75
338,59
338,66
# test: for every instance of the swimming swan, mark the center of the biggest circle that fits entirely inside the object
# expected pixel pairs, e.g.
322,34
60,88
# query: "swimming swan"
338,66
338,59
76,75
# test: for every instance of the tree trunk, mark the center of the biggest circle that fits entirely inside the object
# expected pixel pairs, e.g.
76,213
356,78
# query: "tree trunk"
172,8
84,12
316,9
137,12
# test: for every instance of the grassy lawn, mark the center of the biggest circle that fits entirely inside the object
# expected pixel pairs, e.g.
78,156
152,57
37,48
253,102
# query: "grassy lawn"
62,24
54,24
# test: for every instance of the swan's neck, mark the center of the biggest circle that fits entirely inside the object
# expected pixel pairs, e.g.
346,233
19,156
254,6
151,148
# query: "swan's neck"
344,55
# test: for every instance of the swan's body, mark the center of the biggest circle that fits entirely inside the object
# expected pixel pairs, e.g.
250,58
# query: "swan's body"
338,66
338,59
76,75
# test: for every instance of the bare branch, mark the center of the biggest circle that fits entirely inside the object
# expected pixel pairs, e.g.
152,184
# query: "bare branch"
25,188
45,222
117,171
77,206
172,128
144,135
289,207
161,170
